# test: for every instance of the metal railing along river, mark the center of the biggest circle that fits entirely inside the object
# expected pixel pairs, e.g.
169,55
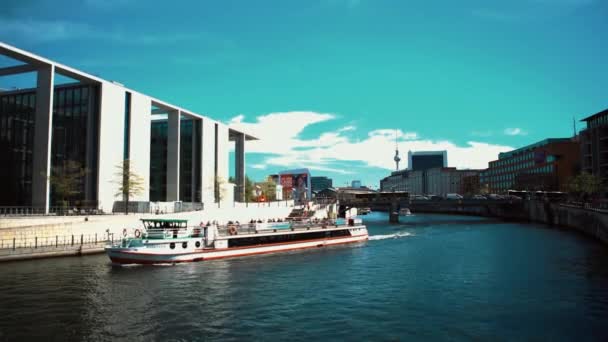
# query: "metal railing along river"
59,243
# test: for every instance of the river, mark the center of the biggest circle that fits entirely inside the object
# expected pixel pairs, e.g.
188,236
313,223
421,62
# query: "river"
431,277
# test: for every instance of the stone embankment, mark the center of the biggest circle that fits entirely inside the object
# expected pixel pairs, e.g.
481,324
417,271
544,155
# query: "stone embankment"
589,221
44,236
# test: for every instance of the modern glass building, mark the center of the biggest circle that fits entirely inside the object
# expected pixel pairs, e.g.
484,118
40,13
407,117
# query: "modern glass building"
594,145
319,183
190,170
75,122
84,130
424,160
547,165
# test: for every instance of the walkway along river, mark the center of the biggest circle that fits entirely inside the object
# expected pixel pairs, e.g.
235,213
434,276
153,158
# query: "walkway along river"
429,277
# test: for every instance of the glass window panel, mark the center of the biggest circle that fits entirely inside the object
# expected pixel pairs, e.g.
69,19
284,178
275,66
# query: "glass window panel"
77,96
61,99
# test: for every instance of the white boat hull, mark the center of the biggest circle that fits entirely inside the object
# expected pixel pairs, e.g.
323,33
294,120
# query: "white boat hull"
121,255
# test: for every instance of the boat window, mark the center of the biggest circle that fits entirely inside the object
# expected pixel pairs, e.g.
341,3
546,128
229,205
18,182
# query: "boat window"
262,240
172,245
185,245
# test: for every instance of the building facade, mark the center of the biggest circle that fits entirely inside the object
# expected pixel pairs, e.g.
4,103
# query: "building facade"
434,181
594,145
424,160
547,165
296,184
319,183
96,124
447,180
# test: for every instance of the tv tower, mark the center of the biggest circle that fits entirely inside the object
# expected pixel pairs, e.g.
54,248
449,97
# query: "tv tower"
397,159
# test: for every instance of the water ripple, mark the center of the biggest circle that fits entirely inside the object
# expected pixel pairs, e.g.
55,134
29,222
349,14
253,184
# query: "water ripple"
430,277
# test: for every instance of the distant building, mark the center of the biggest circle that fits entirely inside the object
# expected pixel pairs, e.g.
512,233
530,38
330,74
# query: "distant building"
327,193
404,180
594,145
470,184
424,160
446,180
547,165
319,183
296,184
355,184
436,181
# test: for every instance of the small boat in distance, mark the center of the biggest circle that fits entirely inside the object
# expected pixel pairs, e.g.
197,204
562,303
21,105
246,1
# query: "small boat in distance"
364,211
170,241
405,212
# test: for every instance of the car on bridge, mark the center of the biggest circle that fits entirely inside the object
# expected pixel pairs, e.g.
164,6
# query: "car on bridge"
453,196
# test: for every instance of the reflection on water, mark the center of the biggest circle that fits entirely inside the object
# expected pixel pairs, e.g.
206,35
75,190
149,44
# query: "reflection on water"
429,277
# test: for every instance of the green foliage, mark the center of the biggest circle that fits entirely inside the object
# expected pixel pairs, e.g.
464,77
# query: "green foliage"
249,195
66,180
220,190
271,191
585,184
129,183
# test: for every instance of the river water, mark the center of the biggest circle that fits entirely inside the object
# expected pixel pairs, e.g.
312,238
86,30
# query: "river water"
431,277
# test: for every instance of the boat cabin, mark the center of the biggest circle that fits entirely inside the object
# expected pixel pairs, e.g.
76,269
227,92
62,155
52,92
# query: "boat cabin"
166,228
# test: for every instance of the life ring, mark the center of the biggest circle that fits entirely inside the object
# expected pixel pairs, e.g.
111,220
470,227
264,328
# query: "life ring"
124,232
137,233
232,230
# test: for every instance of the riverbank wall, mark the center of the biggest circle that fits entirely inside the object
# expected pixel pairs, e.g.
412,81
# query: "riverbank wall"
46,236
589,221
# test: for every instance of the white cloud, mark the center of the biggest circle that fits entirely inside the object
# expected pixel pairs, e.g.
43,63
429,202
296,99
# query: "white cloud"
236,120
279,135
393,134
347,128
515,131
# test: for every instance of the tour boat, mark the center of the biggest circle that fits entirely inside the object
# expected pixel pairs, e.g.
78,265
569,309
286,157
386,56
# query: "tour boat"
171,241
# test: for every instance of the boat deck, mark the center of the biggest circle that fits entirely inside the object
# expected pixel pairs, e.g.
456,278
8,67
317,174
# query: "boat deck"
250,231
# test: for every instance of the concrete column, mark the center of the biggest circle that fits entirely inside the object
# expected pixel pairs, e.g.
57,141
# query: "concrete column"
207,160
173,139
43,129
239,163
393,215
194,157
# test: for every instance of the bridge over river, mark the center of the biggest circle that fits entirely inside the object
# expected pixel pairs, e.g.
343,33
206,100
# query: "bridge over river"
393,202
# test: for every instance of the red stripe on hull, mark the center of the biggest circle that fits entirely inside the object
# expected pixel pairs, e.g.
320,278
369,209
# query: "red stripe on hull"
151,262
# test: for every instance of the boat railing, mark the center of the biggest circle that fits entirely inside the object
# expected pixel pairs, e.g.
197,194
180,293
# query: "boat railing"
168,233
264,227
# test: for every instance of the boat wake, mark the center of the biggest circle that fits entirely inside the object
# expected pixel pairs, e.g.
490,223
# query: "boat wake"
389,236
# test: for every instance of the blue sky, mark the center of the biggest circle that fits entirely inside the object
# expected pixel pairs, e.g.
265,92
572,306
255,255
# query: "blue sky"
324,82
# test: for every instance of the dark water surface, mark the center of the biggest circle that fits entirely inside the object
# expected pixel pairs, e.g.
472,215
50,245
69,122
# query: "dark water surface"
432,277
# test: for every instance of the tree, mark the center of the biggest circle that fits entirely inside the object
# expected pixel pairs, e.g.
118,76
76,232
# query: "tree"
129,183
271,191
66,181
585,185
249,195
220,189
